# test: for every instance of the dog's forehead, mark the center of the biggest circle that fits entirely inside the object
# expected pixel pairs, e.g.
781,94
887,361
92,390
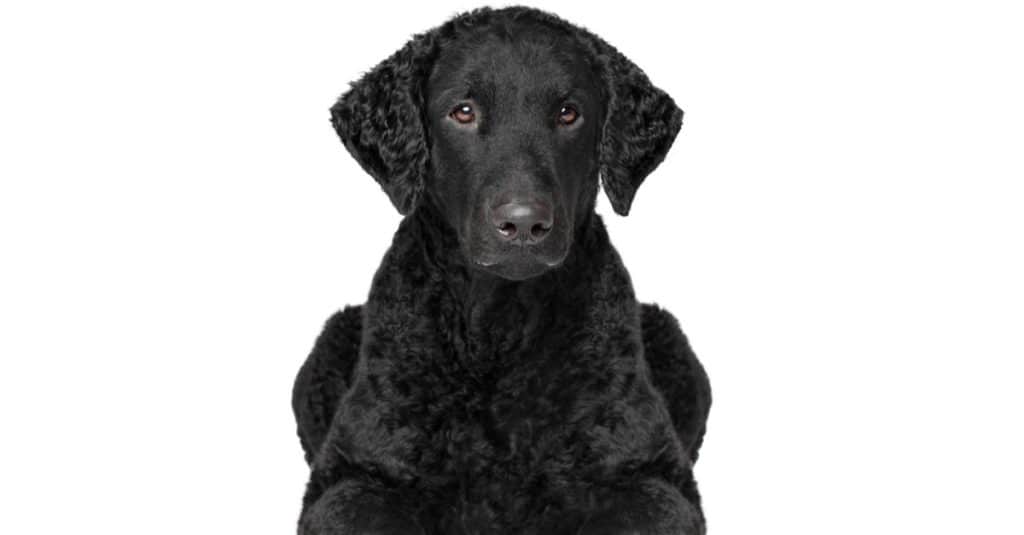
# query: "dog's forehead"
532,57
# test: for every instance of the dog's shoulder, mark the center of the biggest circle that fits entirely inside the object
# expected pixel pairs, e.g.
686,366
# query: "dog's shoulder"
676,371
660,327
325,375
668,351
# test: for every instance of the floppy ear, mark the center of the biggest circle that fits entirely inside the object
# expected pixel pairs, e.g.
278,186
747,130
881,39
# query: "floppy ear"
380,121
641,123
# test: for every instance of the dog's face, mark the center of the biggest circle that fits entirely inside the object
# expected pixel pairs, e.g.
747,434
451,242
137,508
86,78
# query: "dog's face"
503,120
513,122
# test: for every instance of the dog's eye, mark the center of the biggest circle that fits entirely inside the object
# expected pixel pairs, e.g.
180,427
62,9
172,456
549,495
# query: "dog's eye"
568,115
463,113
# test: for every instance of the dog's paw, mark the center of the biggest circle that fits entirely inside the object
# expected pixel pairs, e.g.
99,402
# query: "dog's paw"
651,508
353,508
606,525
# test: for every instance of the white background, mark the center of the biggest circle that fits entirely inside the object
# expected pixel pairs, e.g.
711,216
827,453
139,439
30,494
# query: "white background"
838,229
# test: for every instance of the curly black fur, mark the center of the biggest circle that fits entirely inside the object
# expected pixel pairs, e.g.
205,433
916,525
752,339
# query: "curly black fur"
458,402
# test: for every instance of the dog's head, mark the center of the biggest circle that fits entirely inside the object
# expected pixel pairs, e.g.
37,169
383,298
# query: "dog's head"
503,120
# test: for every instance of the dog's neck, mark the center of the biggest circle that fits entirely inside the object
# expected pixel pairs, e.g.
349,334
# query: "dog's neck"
426,275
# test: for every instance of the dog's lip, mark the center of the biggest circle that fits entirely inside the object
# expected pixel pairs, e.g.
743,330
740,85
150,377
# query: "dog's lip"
490,261
557,261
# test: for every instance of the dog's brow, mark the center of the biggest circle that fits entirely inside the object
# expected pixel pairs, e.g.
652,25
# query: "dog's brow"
471,88
443,97
565,93
562,93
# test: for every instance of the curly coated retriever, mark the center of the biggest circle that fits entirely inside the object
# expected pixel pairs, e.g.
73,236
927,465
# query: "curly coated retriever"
501,377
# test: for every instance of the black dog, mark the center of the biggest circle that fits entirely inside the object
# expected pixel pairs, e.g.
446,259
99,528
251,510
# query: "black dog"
501,377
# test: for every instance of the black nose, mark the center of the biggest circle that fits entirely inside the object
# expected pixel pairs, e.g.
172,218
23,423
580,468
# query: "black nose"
529,221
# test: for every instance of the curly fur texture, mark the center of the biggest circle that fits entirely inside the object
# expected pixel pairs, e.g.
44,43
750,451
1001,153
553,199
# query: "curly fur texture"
454,402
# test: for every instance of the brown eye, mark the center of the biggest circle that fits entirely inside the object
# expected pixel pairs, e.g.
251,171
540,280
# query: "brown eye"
568,115
463,113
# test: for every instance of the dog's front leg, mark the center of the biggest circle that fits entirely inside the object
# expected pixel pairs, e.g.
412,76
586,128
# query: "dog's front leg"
650,507
353,507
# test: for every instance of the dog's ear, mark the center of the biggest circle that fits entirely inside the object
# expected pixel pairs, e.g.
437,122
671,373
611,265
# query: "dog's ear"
380,120
640,125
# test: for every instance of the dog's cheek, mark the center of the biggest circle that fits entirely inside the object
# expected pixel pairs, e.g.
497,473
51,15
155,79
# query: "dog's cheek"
474,234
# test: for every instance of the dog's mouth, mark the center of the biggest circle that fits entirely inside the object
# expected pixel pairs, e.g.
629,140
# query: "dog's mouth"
519,263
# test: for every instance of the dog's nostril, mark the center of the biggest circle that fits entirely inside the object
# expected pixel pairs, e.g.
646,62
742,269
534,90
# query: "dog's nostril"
527,220
539,230
507,230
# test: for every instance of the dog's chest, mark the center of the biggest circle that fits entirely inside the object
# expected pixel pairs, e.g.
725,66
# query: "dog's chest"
502,424
503,442
509,415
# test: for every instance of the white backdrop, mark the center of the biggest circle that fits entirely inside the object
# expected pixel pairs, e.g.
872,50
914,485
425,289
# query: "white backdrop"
843,208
